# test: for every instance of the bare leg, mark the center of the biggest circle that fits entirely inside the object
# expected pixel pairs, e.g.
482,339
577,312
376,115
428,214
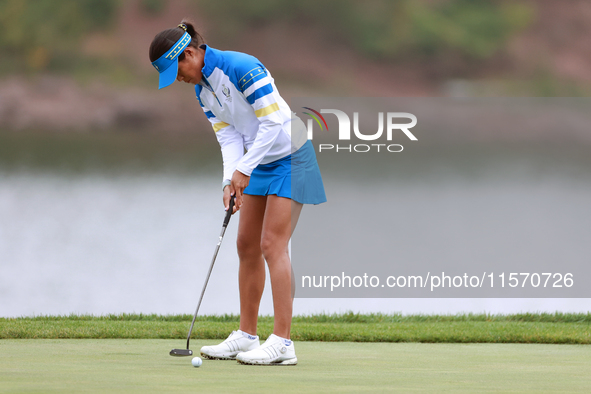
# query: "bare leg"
296,210
279,222
251,274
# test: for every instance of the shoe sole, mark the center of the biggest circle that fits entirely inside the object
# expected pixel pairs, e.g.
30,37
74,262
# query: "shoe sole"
208,357
291,361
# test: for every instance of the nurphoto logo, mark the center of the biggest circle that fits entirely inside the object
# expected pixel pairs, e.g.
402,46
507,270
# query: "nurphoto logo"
344,131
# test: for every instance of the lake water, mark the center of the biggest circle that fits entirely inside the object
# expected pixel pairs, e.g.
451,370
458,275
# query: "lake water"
112,243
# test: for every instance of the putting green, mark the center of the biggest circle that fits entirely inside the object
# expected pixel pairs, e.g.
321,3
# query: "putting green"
143,365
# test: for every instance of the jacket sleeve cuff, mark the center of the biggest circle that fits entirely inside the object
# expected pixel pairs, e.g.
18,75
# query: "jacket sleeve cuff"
244,169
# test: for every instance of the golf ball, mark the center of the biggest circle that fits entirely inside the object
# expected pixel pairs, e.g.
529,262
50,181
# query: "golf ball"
196,361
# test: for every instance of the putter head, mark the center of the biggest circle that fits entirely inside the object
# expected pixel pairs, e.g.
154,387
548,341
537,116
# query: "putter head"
181,352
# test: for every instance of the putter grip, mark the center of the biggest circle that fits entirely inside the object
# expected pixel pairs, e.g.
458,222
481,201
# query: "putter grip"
229,212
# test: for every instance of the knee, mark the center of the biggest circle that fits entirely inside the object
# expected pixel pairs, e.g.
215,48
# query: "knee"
247,249
271,247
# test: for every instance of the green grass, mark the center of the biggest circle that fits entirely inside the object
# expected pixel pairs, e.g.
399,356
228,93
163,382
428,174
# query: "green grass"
124,365
557,328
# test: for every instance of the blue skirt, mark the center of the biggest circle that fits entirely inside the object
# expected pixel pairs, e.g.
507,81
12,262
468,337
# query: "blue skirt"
296,176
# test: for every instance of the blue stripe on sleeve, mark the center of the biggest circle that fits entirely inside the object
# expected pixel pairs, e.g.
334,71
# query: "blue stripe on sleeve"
243,70
260,92
209,114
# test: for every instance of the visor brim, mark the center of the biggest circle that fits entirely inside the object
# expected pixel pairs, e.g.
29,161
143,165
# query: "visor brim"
168,76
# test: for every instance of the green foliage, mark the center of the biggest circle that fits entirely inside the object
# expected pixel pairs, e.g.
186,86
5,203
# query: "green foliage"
474,29
153,7
35,33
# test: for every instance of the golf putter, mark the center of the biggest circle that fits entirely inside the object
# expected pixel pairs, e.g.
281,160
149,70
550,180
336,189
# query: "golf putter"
187,351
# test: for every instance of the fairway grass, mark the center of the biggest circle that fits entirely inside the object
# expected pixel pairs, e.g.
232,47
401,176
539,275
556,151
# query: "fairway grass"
143,365
526,328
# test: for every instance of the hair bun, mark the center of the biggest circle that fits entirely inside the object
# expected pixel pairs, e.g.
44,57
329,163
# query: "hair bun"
189,28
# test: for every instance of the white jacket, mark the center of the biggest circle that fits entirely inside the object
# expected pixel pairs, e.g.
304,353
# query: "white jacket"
240,99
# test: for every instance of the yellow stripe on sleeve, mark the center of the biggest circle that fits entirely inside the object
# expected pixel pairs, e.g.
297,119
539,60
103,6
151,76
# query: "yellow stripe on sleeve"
220,125
244,81
267,110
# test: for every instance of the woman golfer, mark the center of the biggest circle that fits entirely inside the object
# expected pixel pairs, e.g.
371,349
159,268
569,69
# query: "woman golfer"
270,182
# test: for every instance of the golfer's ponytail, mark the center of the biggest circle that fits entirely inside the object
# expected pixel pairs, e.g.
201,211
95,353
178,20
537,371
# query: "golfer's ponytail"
189,28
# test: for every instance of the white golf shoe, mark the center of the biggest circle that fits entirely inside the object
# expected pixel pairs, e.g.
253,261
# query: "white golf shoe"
273,352
237,342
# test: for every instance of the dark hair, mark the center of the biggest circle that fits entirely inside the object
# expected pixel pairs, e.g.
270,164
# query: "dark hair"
166,39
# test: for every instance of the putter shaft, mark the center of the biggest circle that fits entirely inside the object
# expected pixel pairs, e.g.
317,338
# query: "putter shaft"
215,254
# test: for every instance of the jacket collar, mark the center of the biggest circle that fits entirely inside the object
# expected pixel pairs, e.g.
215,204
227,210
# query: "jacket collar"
211,58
